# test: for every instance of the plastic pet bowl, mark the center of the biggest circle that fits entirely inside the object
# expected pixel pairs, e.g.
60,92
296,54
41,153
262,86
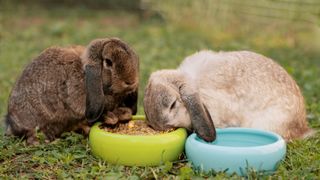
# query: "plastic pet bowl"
236,150
137,150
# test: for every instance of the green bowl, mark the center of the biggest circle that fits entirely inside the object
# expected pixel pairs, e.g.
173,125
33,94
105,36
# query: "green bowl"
137,150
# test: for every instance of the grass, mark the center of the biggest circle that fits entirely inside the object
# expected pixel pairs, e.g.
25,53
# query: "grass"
26,30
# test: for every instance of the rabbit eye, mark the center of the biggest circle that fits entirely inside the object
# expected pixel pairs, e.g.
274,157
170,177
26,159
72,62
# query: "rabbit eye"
108,62
173,105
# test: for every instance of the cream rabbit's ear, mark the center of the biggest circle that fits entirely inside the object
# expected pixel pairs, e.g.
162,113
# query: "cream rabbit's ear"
200,118
93,80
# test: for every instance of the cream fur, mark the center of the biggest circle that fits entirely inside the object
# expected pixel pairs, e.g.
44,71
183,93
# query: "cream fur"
239,89
245,89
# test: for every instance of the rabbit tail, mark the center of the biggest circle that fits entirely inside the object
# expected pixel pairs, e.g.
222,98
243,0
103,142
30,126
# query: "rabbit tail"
8,128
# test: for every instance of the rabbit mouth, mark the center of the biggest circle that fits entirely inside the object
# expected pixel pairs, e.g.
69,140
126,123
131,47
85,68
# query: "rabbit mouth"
130,91
159,127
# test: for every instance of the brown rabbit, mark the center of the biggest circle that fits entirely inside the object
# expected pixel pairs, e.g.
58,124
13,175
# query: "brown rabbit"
227,89
63,87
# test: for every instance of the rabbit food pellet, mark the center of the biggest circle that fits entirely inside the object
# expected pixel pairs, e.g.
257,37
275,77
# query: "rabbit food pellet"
136,127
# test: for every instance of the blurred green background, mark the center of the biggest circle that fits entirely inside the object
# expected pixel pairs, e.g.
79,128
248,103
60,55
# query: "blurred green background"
162,33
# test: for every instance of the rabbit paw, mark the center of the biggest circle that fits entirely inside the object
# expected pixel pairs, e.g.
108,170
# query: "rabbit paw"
111,119
123,113
32,140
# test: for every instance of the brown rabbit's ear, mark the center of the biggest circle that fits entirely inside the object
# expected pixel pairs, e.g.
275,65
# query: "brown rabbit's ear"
95,99
200,118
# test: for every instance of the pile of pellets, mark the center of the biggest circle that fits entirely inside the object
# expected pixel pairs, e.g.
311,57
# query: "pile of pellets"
135,127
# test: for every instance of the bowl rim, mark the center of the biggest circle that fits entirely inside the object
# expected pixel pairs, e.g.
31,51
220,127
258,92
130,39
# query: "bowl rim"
279,140
97,129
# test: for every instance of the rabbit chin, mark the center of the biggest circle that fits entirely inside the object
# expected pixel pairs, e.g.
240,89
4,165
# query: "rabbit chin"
117,89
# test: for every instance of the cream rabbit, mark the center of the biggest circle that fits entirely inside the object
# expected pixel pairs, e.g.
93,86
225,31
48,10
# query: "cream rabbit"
239,89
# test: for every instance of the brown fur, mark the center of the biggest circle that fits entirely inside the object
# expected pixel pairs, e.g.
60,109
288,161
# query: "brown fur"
62,87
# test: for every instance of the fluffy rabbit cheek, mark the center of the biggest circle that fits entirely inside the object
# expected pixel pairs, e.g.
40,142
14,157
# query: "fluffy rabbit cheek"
107,80
179,117
119,86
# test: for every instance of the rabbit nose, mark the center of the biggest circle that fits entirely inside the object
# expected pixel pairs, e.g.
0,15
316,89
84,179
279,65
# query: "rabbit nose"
130,85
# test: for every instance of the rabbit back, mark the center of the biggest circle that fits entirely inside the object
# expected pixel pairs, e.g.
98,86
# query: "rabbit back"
245,89
49,94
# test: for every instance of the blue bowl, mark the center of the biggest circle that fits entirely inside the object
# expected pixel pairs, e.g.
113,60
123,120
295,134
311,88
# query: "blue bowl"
236,150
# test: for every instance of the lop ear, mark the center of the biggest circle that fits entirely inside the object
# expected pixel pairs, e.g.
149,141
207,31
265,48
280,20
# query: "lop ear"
93,80
200,118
